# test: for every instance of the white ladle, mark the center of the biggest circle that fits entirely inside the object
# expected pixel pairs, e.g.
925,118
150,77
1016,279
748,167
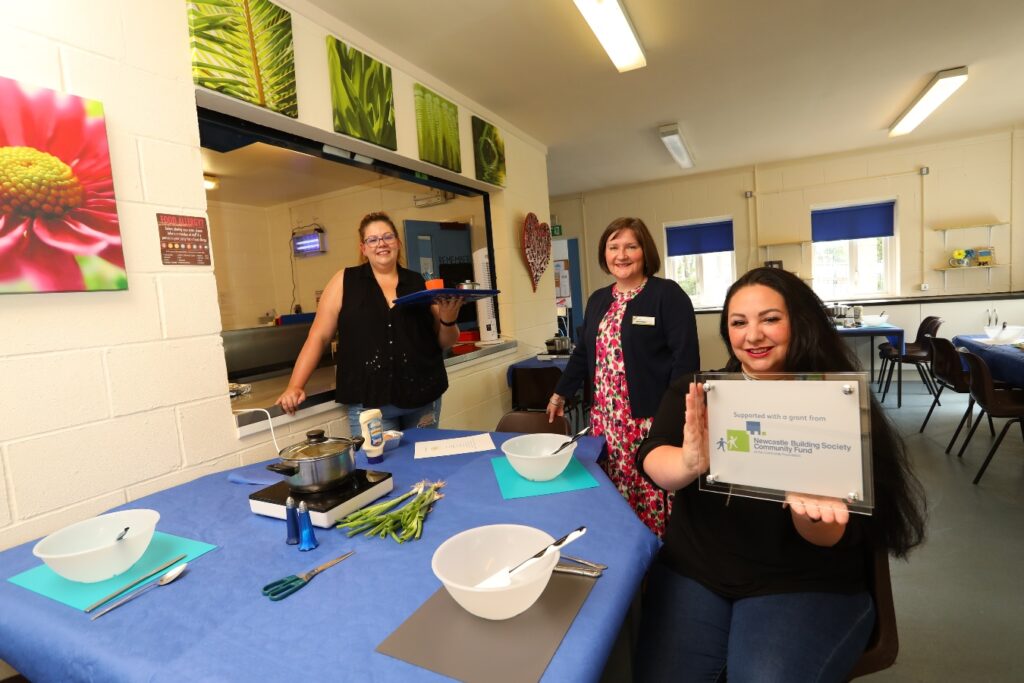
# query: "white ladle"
572,440
503,577
167,578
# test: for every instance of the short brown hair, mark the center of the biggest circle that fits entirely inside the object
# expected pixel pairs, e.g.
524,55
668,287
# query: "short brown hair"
652,261
374,217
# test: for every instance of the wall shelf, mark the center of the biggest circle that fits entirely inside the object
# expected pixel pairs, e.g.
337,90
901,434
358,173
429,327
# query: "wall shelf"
970,227
946,269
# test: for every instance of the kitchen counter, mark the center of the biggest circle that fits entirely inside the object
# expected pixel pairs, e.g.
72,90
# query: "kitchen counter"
320,390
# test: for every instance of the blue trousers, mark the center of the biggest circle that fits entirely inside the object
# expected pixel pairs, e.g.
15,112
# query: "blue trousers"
689,633
426,416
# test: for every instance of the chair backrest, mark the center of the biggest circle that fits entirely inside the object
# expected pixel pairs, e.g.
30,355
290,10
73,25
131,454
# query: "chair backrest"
948,367
884,643
982,387
532,387
929,327
531,422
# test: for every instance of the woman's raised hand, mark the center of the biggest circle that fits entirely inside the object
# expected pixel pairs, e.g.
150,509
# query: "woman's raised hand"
696,456
555,407
448,307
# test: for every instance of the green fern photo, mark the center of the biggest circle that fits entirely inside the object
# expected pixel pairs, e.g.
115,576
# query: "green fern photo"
488,152
362,96
243,48
437,129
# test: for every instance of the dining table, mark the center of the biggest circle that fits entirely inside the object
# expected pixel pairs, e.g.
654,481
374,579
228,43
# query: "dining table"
1005,361
213,623
895,335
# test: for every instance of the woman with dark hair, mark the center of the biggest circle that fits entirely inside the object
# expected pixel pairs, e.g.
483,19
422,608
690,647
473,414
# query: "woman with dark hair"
390,357
639,334
766,591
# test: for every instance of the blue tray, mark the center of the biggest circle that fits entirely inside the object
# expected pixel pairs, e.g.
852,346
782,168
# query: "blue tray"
427,296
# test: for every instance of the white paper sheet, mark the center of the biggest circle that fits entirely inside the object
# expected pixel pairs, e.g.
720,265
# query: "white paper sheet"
465,444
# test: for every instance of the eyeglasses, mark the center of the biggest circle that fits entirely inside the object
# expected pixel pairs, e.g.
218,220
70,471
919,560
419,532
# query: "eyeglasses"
386,238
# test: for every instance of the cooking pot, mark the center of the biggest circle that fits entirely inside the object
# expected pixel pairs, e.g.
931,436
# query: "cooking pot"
558,345
319,463
839,310
468,284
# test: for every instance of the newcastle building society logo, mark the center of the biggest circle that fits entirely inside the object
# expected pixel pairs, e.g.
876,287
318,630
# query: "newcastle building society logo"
739,439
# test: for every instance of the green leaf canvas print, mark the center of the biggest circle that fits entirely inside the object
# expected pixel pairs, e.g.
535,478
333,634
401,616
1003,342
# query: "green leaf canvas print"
243,48
488,152
362,95
437,129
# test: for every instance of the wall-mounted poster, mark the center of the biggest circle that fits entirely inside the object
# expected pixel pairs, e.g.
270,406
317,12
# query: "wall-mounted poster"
437,129
362,96
488,152
243,48
58,219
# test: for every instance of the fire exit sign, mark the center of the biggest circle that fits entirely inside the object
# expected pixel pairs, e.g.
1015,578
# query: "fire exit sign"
556,230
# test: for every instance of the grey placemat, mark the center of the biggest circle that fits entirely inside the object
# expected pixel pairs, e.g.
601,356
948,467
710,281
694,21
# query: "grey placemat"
443,637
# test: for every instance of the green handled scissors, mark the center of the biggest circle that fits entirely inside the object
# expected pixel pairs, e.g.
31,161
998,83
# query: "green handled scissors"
282,588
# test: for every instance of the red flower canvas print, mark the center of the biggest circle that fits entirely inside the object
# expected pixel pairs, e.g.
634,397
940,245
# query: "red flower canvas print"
58,219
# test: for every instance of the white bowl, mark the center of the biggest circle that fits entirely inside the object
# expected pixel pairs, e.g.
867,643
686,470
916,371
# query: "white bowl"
1004,335
469,557
873,320
88,551
531,455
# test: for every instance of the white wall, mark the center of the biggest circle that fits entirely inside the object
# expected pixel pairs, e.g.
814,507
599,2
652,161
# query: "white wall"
107,397
972,180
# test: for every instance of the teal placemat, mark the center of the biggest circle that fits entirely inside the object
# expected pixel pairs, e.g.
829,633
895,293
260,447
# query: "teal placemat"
572,478
162,548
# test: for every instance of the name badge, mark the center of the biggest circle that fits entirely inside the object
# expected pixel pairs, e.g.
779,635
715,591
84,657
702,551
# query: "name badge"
647,320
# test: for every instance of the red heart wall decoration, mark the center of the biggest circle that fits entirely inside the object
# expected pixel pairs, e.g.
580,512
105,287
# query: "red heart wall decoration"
536,247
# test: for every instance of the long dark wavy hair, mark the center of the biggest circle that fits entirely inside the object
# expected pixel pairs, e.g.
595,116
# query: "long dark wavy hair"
815,346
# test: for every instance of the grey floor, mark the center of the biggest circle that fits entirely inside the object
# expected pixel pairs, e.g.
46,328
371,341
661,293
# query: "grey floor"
960,597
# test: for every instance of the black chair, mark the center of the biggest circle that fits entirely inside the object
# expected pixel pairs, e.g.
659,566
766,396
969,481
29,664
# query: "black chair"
887,351
949,372
994,403
918,353
532,422
884,643
532,389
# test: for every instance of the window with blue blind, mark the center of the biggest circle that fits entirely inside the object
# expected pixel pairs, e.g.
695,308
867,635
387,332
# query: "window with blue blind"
701,238
699,256
853,222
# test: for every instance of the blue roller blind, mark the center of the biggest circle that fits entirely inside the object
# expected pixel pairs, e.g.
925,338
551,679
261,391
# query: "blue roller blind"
703,238
853,222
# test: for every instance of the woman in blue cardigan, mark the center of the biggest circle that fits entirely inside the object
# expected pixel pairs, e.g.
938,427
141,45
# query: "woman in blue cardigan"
639,334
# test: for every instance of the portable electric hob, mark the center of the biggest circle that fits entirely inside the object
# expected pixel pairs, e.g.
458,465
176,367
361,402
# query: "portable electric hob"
357,489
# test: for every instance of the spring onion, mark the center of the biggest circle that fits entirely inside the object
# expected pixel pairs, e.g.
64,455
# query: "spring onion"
400,518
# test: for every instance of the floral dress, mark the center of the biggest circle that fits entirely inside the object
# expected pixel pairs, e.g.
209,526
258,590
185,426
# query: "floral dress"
610,416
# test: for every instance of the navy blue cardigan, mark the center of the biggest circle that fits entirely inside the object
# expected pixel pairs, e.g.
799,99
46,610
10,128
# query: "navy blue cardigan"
654,354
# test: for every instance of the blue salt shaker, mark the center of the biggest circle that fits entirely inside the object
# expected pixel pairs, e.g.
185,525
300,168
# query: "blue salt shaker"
307,539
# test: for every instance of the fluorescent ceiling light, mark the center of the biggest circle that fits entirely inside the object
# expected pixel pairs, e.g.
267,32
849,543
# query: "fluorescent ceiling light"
675,145
942,85
210,182
610,24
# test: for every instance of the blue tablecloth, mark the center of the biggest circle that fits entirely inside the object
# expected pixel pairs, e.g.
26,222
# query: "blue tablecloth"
1005,362
214,625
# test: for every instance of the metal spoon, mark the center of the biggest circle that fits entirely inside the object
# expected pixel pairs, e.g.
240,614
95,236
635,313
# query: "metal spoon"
572,440
167,578
122,534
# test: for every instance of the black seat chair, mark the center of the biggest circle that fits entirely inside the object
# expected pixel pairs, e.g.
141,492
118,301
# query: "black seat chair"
949,372
532,389
886,351
532,422
918,353
884,643
994,403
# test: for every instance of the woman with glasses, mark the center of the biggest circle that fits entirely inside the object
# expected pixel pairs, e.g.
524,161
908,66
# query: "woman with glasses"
389,357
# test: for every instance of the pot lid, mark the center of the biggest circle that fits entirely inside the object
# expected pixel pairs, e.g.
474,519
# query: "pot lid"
317,446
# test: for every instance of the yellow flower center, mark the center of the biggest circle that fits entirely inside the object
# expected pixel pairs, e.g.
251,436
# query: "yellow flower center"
36,183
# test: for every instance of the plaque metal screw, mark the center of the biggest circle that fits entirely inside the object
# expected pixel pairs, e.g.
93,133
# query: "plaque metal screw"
711,478
847,389
853,497
707,387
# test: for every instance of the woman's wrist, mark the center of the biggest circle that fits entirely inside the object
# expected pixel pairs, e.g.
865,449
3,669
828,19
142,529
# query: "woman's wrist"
556,401
449,324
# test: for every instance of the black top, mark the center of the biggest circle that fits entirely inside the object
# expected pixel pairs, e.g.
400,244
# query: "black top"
389,356
654,353
740,547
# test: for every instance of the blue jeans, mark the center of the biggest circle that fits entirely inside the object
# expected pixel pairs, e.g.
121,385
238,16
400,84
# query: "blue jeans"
426,416
689,633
